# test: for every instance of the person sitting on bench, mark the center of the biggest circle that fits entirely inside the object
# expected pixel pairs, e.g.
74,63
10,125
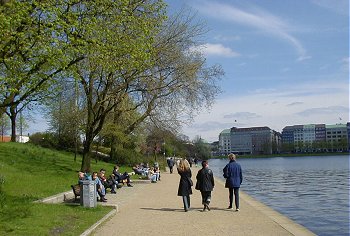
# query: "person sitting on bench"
121,177
101,191
107,183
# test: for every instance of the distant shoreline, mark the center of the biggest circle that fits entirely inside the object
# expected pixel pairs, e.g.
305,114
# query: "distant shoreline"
286,155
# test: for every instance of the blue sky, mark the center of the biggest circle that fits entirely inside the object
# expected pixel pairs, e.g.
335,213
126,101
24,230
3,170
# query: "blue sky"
285,62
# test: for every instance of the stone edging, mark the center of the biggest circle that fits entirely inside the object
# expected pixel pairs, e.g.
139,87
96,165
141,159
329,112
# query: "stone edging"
94,226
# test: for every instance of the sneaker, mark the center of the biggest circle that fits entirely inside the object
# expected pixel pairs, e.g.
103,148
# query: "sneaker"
230,208
129,185
237,209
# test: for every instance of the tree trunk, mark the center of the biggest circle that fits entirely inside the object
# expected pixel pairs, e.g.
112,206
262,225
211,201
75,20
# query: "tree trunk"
13,116
113,152
113,149
89,138
86,162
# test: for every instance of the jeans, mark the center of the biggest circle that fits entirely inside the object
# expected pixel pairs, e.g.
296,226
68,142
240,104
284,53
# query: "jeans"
154,178
187,202
234,191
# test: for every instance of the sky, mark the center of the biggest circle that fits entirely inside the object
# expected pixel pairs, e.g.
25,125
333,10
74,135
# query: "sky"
285,62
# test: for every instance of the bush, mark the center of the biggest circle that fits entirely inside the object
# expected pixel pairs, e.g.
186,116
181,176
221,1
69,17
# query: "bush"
47,140
127,157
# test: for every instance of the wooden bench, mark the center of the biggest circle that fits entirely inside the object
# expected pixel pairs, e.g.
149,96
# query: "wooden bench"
76,191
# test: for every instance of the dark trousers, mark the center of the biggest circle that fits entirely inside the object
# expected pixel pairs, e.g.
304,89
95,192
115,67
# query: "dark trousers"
187,202
126,177
171,169
234,191
206,197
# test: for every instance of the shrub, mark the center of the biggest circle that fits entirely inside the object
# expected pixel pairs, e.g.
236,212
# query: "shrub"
47,140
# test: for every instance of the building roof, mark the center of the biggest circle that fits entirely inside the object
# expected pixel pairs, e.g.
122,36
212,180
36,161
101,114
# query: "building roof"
226,131
250,129
336,126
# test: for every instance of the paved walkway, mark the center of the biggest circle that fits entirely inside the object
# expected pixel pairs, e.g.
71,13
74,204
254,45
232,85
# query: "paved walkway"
155,209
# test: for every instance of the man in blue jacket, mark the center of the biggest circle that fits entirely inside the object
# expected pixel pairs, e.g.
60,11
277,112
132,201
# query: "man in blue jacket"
234,177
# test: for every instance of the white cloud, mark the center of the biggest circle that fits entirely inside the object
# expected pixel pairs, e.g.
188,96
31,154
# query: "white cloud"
338,6
227,38
331,110
303,58
286,69
307,103
209,49
259,19
345,63
237,116
294,104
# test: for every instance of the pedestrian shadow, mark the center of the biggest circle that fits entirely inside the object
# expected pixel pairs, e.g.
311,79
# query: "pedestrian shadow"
169,209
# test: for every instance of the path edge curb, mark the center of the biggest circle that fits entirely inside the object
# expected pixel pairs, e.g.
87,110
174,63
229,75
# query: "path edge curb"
98,223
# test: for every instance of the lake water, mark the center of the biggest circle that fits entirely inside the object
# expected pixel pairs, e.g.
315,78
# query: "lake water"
312,190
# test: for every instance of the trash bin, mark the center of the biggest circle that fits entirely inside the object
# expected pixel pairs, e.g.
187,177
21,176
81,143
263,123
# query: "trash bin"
88,196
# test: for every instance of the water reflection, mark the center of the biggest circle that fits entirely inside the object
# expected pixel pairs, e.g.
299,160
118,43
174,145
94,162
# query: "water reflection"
313,191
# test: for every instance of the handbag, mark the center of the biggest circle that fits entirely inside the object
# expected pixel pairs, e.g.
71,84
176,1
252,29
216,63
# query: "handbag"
190,181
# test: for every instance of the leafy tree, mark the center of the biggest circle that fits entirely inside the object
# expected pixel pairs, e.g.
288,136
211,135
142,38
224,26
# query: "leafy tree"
36,40
4,125
65,116
202,149
123,32
23,125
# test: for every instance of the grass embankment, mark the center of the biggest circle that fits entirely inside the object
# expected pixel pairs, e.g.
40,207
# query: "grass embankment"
29,173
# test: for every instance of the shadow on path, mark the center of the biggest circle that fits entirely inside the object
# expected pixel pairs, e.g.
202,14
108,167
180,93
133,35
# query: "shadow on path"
169,209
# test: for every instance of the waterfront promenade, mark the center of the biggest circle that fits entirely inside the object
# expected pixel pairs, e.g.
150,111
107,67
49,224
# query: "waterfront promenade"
154,208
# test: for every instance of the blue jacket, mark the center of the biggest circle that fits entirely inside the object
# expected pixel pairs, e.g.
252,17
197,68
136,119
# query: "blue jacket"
233,175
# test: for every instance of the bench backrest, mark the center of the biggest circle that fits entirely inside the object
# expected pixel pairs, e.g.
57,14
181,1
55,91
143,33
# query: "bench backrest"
76,189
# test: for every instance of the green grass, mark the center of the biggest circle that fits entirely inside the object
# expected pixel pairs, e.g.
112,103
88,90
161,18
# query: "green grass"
28,173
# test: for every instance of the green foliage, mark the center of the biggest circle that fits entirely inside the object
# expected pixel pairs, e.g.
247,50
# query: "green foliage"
127,157
46,140
202,149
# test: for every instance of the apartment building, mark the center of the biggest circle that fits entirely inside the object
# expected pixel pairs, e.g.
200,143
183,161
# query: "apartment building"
337,137
252,140
225,142
315,138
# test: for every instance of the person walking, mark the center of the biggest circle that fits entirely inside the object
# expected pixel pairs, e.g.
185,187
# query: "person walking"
185,185
171,164
205,183
234,178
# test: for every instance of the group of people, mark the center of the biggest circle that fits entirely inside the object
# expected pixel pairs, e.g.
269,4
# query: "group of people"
114,181
205,182
151,173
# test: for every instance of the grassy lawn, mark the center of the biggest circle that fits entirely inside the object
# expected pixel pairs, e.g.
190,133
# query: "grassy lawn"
28,173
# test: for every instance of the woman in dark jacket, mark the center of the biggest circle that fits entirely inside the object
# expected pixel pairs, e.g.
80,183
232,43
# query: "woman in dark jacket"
205,183
185,189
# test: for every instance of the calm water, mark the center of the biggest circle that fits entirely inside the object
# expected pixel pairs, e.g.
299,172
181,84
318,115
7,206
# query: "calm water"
313,191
